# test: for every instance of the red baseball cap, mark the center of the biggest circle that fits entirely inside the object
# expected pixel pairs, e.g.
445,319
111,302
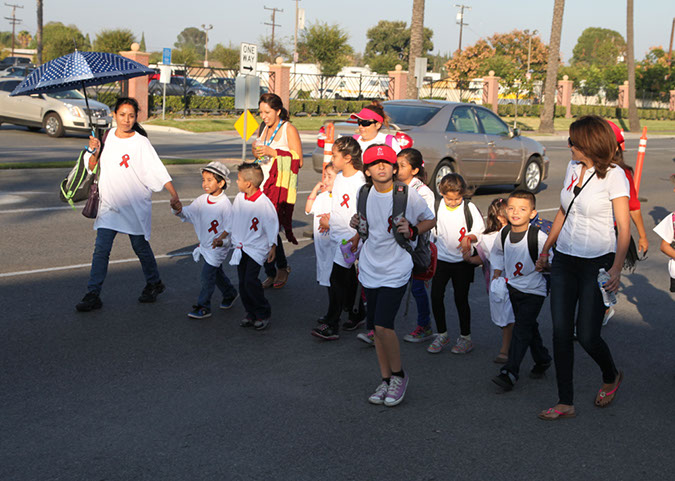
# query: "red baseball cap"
375,153
367,114
619,134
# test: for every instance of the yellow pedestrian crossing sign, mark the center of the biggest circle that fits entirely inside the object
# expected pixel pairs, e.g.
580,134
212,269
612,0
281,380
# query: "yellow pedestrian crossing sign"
246,125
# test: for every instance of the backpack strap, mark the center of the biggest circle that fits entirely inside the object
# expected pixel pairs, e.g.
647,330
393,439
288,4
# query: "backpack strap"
504,233
533,242
468,217
400,203
361,210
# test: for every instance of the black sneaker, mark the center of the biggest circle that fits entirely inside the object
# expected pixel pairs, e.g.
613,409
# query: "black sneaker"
89,302
503,381
151,291
324,331
352,324
539,370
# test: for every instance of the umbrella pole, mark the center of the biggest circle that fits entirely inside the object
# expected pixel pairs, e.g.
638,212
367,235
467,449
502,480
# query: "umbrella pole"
86,101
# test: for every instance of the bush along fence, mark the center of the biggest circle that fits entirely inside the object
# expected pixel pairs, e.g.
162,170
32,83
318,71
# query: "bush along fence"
508,110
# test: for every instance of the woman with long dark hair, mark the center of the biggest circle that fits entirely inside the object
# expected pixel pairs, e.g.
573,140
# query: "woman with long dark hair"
129,172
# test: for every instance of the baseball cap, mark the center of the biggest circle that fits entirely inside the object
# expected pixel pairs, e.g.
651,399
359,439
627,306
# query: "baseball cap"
219,169
619,134
375,153
367,114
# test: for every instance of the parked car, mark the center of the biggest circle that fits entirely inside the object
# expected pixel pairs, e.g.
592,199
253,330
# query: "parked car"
16,71
13,61
223,86
56,112
180,86
464,138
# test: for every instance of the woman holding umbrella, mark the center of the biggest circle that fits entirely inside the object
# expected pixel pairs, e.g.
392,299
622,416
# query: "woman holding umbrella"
130,170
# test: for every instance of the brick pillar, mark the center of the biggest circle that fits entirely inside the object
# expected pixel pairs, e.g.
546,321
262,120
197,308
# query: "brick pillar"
491,91
280,81
565,95
623,95
672,100
138,87
400,79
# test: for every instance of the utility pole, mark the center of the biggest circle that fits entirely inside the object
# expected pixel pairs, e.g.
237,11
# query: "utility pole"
206,29
670,49
274,11
14,21
528,75
460,21
39,31
295,40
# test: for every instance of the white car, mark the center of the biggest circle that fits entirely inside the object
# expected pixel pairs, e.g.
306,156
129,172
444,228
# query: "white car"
56,112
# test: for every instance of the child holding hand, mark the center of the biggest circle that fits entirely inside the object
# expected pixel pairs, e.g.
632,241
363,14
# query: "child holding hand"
319,203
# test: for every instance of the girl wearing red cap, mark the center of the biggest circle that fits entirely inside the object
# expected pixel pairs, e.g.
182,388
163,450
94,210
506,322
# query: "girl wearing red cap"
371,119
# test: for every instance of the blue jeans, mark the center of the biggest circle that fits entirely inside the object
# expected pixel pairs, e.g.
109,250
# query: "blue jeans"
212,277
101,257
419,292
575,294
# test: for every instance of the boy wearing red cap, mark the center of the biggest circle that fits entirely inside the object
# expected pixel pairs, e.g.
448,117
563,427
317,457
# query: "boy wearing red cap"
384,266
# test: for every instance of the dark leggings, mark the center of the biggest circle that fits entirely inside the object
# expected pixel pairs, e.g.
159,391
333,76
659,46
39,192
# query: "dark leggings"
279,261
575,292
341,295
461,274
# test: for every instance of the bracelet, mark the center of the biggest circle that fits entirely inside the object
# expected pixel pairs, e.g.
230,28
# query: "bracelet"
543,254
311,198
414,232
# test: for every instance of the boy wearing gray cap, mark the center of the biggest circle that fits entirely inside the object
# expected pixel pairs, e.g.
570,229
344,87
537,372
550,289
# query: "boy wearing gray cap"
210,214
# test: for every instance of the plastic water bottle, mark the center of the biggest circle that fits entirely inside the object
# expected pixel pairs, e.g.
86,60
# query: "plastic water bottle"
609,298
347,254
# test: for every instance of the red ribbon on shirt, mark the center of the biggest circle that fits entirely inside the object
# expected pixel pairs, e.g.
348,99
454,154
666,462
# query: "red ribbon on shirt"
214,225
254,224
390,225
345,201
575,177
125,159
519,268
462,234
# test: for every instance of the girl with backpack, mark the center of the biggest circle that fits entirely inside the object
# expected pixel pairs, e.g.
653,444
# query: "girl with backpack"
385,266
411,172
371,119
459,224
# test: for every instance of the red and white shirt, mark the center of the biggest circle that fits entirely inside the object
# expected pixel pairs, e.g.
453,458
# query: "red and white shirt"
451,228
516,264
255,226
343,208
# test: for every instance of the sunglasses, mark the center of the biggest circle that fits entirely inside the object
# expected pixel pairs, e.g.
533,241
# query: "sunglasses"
569,142
365,123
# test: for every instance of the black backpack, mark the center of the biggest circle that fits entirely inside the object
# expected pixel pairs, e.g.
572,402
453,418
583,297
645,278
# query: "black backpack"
421,254
532,247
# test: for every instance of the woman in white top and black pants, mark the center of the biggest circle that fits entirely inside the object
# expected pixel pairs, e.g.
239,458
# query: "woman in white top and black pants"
595,193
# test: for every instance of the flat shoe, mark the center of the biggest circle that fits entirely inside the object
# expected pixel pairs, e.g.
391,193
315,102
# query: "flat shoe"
553,414
609,396
282,277
267,283
501,359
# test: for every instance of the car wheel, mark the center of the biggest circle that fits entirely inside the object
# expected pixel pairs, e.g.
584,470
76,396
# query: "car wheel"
531,176
444,168
53,125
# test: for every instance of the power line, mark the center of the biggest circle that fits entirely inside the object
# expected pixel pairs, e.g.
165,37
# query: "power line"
460,21
274,11
14,21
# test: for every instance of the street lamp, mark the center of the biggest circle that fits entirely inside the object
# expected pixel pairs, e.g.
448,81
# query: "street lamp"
528,75
206,29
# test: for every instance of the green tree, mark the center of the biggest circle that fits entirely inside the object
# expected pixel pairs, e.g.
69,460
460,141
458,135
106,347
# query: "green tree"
24,38
5,39
114,41
59,39
186,55
391,40
268,51
228,56
598,46
327,45
193,39
142,46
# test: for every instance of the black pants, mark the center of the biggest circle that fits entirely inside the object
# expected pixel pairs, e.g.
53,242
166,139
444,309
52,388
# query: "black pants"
461,274
574,282
251,290
279,261
341,295
526,308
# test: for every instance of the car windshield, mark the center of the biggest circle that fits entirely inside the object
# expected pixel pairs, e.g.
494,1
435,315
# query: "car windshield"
414,115
66,95
193,83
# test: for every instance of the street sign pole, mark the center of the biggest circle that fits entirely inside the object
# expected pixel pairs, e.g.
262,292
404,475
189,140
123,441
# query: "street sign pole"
163,100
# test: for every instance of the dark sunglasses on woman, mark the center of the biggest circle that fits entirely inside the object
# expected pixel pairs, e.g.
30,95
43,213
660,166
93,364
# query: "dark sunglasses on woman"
569,142
365,123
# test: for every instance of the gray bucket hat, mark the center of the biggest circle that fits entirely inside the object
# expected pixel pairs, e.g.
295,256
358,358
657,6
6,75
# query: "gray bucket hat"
219,169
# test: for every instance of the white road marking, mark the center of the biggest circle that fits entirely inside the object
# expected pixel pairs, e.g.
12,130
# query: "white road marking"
118,261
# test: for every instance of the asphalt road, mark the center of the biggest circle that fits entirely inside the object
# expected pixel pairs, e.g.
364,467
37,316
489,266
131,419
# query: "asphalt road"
141,392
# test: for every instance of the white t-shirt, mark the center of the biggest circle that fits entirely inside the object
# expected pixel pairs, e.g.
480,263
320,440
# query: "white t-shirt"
516,264
130,172
323,246
343,208
451,228
255,225
588,231
211,216
382,262
380,138
665,231
422,189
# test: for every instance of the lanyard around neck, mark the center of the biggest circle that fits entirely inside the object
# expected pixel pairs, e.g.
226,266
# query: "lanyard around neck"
274,133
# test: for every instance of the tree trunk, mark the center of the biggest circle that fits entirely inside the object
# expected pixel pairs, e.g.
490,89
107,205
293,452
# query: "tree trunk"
633,119
39,32
548,112
416,43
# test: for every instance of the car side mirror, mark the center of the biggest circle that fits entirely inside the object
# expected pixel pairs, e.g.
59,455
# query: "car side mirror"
37,96
514,132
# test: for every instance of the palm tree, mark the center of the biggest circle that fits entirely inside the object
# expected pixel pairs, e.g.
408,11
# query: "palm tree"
547,113
416,42
39,32
633,119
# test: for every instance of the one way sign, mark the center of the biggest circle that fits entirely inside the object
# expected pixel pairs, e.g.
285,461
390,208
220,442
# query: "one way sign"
248,59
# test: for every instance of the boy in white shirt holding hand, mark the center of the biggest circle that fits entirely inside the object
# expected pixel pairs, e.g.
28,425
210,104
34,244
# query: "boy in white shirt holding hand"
253,233
515,253
210,214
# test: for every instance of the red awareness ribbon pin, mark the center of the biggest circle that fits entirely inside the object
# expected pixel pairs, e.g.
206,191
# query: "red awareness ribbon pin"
125,160
574,179
214,227
462,234
254,224
345,201
519,268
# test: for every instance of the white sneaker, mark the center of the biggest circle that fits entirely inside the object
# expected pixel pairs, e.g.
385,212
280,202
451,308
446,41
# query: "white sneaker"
609,313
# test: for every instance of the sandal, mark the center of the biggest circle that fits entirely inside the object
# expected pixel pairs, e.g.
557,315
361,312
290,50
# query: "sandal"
267,283
282,277
608,396
501,358
552,414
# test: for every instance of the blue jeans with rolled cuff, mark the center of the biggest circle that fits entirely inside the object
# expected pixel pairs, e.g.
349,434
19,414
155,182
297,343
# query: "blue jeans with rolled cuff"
419,292
212,277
